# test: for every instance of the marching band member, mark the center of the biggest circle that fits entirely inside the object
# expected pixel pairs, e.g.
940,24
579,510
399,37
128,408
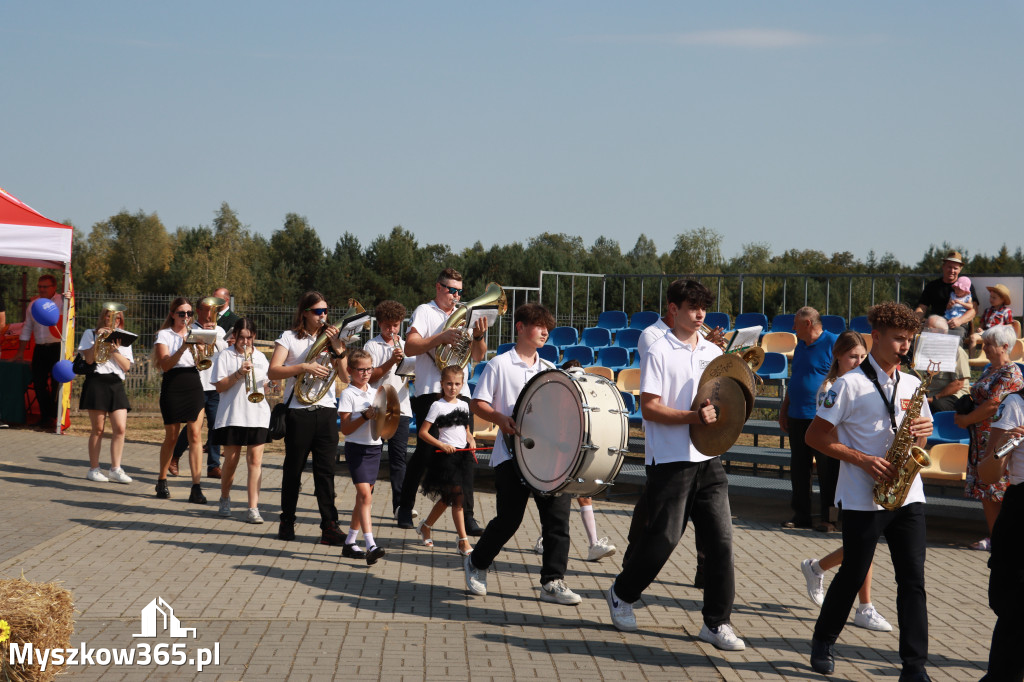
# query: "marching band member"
241,422
103,393
205,319
309,429
181,395
388,354
682,483
856,423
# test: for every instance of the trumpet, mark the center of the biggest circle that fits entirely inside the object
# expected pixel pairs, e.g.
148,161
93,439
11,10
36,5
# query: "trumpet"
252,389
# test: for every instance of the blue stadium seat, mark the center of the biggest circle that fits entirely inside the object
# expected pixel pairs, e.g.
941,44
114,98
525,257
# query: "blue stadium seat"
833,323
505,347
714,320
596,337
549,353
860,324
613,358
612,320
585,355
628,338
564,336
643,319
783,322
945,430
775,366
633,407
751,320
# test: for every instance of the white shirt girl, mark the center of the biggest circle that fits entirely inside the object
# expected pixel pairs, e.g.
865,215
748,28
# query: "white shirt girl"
235,408
173,341
108,367
452,421
355,400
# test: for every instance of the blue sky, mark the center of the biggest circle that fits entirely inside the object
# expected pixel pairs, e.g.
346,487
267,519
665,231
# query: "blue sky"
830,126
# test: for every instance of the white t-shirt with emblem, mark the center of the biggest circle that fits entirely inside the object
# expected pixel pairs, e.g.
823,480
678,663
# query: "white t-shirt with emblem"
854,406
235,408
1009,416
108,367
297,349
380,352
427,320
356,400
671,370
500,385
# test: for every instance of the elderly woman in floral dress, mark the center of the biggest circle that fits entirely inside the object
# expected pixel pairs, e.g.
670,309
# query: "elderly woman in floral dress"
1001,378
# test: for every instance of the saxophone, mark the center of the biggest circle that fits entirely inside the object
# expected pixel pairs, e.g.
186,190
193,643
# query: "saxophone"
907,457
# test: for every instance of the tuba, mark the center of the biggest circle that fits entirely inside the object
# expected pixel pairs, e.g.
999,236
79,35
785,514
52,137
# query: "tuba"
458,353
907,457
252,389
310,389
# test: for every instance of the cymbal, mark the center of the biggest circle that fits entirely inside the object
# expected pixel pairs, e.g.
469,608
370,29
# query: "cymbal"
389,411
717,437
732,366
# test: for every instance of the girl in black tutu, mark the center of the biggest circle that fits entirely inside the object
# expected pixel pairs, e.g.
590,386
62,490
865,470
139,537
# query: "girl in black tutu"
448,468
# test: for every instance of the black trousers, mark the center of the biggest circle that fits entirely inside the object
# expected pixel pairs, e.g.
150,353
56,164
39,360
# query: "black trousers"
1006,590
44,357
802,461
398,447
310,431
904,529
511,496
675,493
416,465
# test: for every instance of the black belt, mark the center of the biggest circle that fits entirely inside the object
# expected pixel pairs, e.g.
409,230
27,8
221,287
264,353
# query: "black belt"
47,345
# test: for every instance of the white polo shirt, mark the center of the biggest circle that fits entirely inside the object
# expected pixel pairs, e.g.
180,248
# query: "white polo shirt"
427,320
172,341
651,334
297,349
108,367
862,422
235,408
671,369
219,345
355,400
500,385
380,352
1009,416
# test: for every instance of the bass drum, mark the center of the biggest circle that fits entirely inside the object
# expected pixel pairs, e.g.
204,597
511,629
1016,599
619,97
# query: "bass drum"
572,433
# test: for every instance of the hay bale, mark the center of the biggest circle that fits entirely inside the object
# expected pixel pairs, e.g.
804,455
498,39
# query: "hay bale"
40,613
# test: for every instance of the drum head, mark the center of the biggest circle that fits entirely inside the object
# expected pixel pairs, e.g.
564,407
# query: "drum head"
717,437
732,366
549,416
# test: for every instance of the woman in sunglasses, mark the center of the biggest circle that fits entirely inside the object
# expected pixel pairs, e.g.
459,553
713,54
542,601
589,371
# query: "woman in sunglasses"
313,428
181,395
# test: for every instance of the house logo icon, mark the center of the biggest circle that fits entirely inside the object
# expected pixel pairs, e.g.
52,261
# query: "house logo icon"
158,618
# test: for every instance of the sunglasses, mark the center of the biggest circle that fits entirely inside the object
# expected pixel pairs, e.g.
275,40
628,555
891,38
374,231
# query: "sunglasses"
183,313
317,311
453,291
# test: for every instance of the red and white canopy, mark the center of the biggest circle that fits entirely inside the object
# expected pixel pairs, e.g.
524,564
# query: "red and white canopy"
28,238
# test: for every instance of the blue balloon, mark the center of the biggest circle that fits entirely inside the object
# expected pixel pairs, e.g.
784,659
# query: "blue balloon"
63,372
45,312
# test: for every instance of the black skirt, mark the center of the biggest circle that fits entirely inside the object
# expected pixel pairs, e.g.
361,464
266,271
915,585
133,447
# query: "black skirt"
445,474
181,395
103,392
240,435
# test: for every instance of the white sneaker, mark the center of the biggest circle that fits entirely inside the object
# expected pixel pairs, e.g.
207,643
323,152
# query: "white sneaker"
866,617
600,550
621,612
225,507
556,591
119,476
815,581
476,579
722,638
97,476
538,547
254,516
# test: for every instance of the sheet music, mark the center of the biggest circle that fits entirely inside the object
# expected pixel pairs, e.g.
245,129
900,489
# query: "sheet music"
353,325
487,312
936,347
742,338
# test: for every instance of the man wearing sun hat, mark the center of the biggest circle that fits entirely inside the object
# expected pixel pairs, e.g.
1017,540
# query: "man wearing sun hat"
936,293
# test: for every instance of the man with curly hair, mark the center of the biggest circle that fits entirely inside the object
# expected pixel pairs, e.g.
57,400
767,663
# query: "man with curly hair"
856,423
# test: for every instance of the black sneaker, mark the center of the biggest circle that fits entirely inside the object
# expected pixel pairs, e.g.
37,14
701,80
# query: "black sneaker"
473,528
162,491
286,530
373,555
332,535
352,552
197,496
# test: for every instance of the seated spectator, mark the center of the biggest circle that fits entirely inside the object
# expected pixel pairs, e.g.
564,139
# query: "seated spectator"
946,387
998,312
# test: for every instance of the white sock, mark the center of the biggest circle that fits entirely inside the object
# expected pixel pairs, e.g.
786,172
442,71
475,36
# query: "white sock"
816,567
370,544
865,606
587,512
352,536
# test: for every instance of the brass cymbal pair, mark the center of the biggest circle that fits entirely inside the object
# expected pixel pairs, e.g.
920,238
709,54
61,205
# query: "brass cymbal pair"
730,383
389,411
